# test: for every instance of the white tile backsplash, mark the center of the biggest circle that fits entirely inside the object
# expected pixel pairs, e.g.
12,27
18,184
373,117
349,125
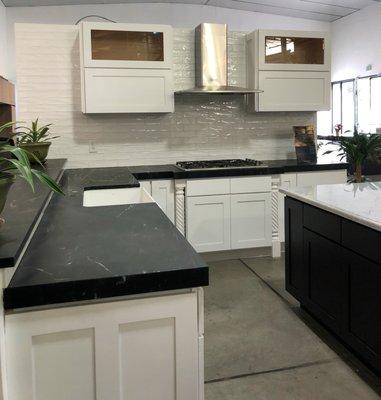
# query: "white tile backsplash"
215,126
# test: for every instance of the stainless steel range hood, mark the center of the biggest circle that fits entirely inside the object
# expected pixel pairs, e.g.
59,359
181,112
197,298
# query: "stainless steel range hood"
211,51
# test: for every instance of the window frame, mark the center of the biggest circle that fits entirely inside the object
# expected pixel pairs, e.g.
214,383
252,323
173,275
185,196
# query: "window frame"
355,97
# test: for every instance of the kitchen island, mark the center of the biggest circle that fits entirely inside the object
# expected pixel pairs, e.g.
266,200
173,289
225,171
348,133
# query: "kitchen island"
333,261
106,302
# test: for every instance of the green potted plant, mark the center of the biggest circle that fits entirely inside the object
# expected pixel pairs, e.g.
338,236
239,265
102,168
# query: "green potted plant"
357,149
36,140
14,162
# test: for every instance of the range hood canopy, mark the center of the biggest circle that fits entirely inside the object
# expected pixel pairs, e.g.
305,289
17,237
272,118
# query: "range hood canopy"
211,57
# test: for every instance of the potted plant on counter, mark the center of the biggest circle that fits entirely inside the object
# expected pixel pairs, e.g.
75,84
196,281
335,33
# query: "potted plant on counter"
14,162
358,149
36,140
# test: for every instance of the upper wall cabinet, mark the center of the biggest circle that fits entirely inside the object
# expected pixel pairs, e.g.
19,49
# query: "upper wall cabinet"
126,68
292,68
294,51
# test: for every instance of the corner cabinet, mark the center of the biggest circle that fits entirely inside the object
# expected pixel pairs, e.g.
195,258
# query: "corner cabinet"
292,68
126,68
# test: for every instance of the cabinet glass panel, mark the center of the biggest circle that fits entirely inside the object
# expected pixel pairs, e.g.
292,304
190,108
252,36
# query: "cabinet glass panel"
294,50
127,45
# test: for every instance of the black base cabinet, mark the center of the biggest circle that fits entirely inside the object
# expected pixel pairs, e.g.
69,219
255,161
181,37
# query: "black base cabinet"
335,273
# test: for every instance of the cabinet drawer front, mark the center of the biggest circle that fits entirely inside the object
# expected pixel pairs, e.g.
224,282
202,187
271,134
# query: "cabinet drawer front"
250,184
294,91
322,222
204,187
362,240
127,90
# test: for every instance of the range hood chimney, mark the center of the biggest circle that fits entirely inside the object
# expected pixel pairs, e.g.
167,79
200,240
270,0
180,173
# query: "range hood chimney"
211,56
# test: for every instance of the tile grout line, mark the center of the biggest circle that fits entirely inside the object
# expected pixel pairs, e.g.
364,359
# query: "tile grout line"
341,356
290,368
270,371
267,284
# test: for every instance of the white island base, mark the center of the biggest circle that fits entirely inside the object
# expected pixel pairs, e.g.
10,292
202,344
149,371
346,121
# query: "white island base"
147,348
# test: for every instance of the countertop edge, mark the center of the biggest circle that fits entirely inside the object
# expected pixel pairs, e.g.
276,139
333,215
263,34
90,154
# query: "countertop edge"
97,289
342,213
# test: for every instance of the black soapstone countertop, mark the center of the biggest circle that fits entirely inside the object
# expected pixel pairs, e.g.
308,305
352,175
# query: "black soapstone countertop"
21,212
84,253
271,167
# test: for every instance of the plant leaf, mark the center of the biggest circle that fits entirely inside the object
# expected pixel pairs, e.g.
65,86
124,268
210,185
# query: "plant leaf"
46,179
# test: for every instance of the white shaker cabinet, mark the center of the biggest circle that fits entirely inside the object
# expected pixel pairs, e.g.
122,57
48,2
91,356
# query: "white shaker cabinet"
123,350
126,68
294,91
228,213
163,192
292,68
208,222
250,220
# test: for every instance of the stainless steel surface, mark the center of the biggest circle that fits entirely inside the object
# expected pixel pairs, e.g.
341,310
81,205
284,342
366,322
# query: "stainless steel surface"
211,60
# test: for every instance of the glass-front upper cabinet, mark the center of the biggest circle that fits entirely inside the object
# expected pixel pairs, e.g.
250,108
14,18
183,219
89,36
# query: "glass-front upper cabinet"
294,50
109,45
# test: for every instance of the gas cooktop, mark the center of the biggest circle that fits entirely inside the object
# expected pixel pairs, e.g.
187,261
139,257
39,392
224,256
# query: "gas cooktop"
212,164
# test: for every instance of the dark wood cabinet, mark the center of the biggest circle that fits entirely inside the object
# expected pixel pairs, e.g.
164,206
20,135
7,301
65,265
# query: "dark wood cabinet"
333,269
325,275
296,279
362,316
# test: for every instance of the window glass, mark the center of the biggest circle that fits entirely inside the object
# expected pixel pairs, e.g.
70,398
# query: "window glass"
363,104
348,106
294,50
375,111
127,45
336,105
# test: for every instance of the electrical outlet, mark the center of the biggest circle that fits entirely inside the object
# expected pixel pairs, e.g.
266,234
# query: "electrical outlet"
92,148
369,67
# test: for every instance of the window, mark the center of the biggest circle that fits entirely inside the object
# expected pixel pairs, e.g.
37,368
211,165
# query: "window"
355,102
343,105
369,103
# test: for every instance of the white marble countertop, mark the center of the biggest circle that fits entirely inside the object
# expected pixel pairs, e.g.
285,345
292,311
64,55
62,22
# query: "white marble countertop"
359,202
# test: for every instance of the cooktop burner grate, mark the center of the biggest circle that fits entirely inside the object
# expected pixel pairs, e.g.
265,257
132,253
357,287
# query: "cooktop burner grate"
209,164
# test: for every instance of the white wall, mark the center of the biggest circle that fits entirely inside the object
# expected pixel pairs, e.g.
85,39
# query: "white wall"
177,15
202,127
356,43
3,41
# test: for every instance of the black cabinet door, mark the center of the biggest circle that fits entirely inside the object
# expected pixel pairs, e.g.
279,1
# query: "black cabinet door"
325,294
296,273
363,312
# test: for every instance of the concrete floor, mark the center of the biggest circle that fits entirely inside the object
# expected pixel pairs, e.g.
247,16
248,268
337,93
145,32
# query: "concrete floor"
260,346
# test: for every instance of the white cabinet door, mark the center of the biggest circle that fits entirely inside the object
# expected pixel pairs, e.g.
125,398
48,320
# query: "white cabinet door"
147,186
109,45
321,177
250,220
108,90
125,350
286,181
294,91
208,222
163,192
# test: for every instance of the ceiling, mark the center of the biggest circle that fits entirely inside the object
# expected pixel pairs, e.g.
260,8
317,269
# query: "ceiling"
321,10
